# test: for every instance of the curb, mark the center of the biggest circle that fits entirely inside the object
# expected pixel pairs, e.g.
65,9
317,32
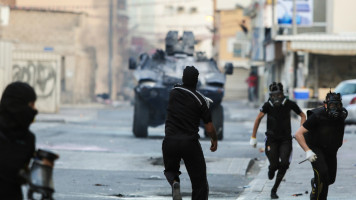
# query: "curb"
257,185
51,121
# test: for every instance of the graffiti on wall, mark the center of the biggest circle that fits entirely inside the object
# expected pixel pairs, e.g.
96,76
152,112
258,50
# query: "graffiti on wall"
39,74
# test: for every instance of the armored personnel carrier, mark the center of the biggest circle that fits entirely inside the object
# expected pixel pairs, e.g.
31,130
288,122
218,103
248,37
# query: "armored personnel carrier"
157,74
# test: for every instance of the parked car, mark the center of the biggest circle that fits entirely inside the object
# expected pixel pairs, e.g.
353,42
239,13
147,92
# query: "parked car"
347,89
155,76
351,118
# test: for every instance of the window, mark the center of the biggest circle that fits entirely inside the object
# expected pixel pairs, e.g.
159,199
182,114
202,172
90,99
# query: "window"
121,4
180,9
193,10
237,50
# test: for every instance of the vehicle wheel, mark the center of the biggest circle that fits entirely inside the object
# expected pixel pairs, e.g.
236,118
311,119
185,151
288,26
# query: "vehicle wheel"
217,115
141,117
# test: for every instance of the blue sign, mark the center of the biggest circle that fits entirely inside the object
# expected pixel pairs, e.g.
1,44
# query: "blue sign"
48,49
304,12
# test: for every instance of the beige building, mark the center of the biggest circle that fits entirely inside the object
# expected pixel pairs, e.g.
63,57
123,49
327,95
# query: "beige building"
232,45
8,2
60,33
95,36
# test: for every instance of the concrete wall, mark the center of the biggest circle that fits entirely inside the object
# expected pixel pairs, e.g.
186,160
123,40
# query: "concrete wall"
42,27
60,33
94,35
42,72
8,2
5,63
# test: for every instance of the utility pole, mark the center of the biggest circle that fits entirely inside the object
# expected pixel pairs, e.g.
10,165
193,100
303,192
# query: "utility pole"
261,29
293,54
273,28
110,45
215,31
294,20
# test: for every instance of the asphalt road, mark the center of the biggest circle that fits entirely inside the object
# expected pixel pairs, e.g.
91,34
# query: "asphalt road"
101,159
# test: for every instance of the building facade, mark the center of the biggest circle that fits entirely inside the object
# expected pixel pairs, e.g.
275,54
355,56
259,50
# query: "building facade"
105,36
313,57
151,21
232,45
60,33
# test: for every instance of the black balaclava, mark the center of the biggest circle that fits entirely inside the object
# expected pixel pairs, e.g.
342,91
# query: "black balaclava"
15,113
276,95
334,105
190,77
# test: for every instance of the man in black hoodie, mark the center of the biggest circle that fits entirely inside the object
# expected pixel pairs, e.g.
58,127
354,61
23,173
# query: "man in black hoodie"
278,145
186,107
321,137
17,143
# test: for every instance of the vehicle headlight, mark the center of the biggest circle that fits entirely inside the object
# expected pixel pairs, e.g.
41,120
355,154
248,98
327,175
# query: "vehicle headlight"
148,83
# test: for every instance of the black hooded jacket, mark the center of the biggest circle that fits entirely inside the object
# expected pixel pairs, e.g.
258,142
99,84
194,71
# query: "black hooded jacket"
279,119
17,143
323,132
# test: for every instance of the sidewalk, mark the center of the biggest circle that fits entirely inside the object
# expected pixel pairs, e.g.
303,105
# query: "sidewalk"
77,113
297,179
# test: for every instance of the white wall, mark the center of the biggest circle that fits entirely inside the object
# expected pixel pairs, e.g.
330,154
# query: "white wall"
5,63
344,15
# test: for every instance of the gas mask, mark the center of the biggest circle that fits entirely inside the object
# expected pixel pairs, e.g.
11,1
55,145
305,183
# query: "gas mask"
277,98
334,106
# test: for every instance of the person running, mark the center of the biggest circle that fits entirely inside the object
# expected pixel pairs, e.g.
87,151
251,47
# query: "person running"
320,137
186,108
278,146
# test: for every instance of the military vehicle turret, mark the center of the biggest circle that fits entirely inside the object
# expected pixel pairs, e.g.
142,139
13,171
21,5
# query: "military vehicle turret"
156,75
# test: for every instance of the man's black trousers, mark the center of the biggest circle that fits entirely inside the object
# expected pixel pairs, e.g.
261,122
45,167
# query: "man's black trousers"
278,153
324,169
192,154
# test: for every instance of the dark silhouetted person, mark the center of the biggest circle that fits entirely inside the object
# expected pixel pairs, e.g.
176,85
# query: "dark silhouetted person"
278,146
252,86
17,143
186,108
321,137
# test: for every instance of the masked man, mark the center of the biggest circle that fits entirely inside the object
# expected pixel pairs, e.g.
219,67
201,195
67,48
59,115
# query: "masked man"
321,136
17,142
278,146
186,107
